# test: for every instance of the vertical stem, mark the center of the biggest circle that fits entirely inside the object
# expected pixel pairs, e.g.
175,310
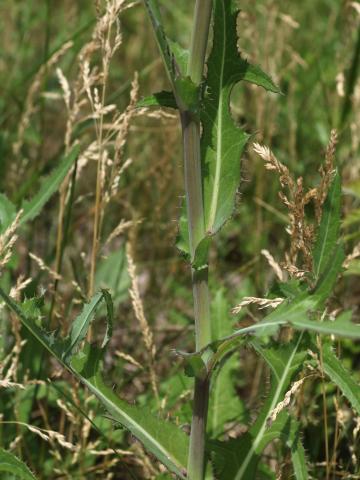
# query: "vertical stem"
194,200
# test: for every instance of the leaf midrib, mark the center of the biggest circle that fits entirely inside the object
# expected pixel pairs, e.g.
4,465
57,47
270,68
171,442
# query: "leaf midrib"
274,402
215,193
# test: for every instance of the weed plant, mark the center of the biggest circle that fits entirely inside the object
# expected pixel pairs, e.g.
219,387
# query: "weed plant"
222,345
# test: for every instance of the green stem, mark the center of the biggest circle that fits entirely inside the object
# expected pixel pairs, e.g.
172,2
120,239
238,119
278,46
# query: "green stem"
195,208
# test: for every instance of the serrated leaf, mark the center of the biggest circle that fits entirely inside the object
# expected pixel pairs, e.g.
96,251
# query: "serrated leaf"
340,376
240,457
11,464
297,311
80,326
32,208
160,99
163,439
328,232
222,142
298,457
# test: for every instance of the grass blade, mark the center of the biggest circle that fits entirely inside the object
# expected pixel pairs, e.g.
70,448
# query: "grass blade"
49,186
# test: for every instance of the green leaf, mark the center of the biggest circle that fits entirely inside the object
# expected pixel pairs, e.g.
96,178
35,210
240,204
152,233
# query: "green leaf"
239,458
340,376
328,232
7,212
181,55
153,10
222,142
297,311
163,439
48,187
298,457
225,404
161,99
80,326
11,464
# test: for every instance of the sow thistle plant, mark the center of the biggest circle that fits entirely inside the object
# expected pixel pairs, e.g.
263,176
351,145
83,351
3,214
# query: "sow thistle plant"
287,338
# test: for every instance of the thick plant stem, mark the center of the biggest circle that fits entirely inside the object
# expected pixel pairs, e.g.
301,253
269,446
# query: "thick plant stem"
195,207
198,428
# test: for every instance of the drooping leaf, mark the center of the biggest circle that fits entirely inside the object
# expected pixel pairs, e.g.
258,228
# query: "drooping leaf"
50,185
11,464
161,99
163,439
338,374
238,459
328,232
222,142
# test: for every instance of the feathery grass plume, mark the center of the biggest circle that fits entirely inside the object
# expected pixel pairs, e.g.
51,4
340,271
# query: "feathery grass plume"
301,233
140,316
128,358
31,96
119,230
41,264
273,264
262,302
326,171
287,399
7,241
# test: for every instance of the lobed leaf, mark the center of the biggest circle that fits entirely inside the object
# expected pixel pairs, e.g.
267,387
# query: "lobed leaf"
222,142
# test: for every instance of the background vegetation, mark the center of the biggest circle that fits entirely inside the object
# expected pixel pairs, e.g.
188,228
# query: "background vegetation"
312,51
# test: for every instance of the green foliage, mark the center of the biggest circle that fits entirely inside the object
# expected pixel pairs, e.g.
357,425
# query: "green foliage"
10,464
328,233
238,459
162,439
338,374
225,405
49,186
222,142
7,212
